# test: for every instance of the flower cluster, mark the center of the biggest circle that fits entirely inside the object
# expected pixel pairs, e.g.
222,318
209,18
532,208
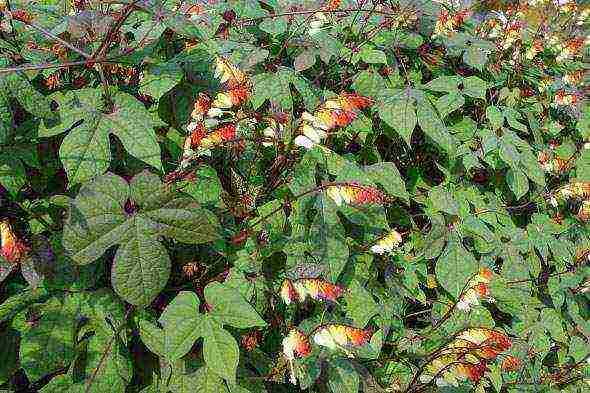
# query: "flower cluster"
387,243
295,345
466,357
355,194
315,288
552,163
12,249
447,23
477,288
237,91
334,113
336,336
332,336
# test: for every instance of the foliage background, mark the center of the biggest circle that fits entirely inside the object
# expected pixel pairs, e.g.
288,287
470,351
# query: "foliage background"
147,271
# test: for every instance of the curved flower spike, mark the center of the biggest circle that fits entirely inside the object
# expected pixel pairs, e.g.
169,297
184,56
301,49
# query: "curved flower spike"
315,288
334,336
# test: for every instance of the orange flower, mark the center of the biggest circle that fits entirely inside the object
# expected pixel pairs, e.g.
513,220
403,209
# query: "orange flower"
564,99
355,194
334,336
13,250
201,107
555,165
333,5
229,73
315,288
295,345
466,357
334,113
477,288
233,97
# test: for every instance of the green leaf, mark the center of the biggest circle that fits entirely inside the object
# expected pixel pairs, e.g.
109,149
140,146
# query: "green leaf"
31,100
449,103
342,377
387,174
327,238
401,116
495,117
158,79
230,307
304,60
442,200
361,306
444,84
475,87
433,126
368,83
455,266
97,220
47,344
518,182
153,337
273,26
220,350
141,267
85,151
373,56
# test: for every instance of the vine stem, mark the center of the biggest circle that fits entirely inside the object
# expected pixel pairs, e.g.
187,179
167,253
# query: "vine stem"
306,12
56,38
108,350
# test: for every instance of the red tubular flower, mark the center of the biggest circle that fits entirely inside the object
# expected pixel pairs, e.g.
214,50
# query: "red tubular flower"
201,106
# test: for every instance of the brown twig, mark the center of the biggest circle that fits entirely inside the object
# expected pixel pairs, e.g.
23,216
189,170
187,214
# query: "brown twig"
56,38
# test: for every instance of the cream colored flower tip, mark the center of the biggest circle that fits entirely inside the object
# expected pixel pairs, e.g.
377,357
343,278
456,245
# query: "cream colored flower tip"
192,126
214,112
387,243
323,338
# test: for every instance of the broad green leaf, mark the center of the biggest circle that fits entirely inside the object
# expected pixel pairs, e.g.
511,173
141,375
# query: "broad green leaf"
158,79
153,337
455,266
304,60
98,220
48,344
449,103
230,307
433,126
368,83
401,116
327,238
373,56
273,26
342,377
220,350
141,267
85,151
442,200
495,117
387,174
361,306
444,84
475,87
31,100
104,356
518,182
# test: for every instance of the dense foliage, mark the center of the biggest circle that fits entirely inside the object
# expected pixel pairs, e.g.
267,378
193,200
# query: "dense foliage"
276,195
